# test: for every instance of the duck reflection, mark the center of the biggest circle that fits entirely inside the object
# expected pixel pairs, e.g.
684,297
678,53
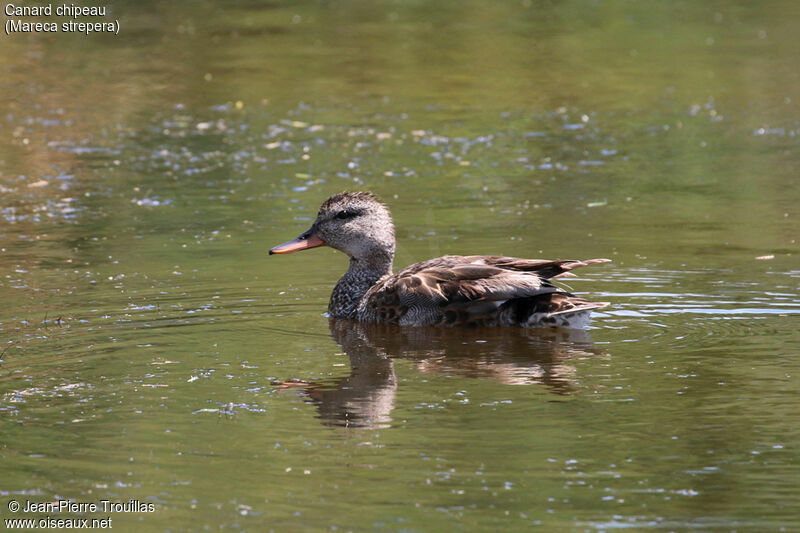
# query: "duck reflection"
513,356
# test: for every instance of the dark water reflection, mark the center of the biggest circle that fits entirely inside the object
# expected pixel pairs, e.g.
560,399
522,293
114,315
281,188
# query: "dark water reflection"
510,356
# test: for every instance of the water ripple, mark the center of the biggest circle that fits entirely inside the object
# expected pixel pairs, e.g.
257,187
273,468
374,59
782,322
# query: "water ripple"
711,312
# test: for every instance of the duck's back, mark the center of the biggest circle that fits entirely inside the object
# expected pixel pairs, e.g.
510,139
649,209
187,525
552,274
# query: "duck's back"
477,291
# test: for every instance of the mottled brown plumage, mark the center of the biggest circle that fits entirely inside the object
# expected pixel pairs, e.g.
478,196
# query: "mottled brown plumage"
475,290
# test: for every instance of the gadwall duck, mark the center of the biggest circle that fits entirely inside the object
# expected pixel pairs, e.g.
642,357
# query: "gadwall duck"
473,290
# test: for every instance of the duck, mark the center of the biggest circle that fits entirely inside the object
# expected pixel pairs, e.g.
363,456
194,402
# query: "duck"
449,291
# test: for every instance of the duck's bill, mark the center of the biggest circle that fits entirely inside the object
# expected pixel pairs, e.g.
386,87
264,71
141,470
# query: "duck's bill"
303,242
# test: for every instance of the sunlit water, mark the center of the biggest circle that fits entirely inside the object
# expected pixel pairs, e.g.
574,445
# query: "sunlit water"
152,351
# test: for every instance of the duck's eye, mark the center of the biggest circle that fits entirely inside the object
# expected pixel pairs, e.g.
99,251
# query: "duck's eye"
344,215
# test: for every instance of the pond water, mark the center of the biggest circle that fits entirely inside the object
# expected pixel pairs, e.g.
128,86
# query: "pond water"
152,351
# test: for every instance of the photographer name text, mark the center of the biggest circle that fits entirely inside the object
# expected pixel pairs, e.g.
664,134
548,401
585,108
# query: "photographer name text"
69,506
102,506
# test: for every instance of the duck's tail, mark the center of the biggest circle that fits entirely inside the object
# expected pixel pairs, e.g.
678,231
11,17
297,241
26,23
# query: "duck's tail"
553,310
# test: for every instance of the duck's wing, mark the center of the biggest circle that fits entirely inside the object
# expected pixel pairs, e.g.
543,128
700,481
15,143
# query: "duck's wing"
470,282
543,267
466,288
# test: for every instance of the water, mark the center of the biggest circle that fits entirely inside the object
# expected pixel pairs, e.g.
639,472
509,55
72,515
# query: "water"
152,351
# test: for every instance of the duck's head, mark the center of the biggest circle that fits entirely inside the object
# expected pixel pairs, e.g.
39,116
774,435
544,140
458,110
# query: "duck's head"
356,223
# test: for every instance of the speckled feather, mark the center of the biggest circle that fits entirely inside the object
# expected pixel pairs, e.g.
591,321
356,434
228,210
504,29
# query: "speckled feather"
476,291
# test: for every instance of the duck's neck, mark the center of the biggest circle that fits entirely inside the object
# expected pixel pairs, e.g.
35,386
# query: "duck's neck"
352,287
